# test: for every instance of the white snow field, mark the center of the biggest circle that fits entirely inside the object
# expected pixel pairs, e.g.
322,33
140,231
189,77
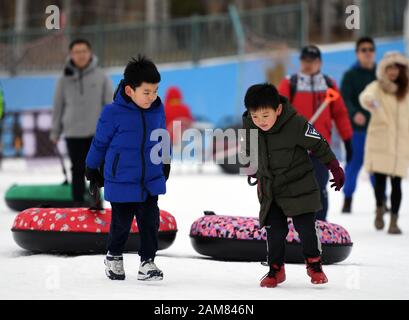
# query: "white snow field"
376,269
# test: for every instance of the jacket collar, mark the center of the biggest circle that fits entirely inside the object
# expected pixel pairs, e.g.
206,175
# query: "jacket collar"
72,71
358,66
123,100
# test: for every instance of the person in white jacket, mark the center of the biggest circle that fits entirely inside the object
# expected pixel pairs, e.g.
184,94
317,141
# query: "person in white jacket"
387,147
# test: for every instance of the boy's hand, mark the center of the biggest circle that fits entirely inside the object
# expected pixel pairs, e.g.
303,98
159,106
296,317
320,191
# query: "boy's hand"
94,177
338,174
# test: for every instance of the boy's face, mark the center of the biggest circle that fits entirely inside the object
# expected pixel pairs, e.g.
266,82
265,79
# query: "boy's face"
265,118
144,95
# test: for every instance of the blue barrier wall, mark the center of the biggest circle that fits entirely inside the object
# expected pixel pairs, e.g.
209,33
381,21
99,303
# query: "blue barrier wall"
211,90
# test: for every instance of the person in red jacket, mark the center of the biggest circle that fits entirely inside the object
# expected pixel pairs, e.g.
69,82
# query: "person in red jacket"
176,110
306,91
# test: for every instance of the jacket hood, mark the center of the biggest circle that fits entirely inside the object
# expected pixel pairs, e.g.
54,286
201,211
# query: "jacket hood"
287,113
173,96
71,70
390,58
122,99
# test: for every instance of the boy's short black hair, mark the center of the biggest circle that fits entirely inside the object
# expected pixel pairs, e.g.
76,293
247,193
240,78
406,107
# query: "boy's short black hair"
140,70
80,41
364,40
263,95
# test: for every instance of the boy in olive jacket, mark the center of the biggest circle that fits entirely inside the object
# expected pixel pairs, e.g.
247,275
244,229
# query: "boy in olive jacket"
286,183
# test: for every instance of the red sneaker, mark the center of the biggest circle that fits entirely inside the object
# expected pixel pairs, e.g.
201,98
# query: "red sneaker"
275,276
314,270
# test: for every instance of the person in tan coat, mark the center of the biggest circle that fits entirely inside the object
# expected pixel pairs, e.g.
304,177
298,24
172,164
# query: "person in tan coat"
386,147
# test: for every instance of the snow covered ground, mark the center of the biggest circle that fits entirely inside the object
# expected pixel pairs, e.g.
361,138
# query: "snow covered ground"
376,269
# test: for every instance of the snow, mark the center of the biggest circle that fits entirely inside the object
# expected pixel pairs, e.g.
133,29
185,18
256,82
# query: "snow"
376,269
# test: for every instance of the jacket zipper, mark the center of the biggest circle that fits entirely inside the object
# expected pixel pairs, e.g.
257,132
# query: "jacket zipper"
81,83
314,107
142,152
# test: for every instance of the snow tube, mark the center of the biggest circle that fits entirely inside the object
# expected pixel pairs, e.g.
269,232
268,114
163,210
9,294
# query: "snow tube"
240,238
21,197
78,230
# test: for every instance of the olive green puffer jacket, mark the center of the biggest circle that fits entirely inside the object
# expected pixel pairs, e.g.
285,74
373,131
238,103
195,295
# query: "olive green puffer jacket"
285,172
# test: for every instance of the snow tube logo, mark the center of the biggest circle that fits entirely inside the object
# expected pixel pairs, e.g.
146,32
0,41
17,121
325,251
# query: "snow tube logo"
241,238
78,230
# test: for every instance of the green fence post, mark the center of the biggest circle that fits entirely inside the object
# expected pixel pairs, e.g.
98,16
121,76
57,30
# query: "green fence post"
238,29
100,44
364,21
195,39
304,25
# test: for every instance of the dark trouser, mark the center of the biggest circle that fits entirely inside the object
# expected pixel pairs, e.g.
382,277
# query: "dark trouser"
396,195
353,167
277,230
322,176
77,151
147,217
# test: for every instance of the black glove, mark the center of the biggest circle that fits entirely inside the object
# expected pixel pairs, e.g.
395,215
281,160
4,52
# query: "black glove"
348,150
166,170
95,177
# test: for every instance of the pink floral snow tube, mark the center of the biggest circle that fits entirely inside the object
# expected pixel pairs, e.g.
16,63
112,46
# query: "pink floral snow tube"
248,228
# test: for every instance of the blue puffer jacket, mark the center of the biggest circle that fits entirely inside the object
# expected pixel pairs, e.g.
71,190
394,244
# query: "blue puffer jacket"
122,139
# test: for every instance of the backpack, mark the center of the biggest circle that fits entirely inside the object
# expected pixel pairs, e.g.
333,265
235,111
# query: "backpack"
294,80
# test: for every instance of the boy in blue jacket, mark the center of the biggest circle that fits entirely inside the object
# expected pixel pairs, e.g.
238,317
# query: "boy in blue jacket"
132,181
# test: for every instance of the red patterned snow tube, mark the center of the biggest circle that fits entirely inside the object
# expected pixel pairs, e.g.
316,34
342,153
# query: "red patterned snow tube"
241,238
78,230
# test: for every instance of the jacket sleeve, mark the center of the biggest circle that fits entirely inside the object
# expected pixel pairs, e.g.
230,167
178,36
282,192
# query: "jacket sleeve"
341,117
368,94
284,88
310,139
58,111
103,136
108,92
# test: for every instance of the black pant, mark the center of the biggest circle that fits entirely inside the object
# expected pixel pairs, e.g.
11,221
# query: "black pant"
147,216
77,151
277,230
322,176
396,195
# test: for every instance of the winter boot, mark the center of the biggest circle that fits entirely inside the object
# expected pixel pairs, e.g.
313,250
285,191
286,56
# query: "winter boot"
114,267
314,270
148,271
393,227
275,276
347,205
379,223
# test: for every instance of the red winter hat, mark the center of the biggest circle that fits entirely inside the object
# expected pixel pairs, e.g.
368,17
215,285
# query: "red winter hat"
173,96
